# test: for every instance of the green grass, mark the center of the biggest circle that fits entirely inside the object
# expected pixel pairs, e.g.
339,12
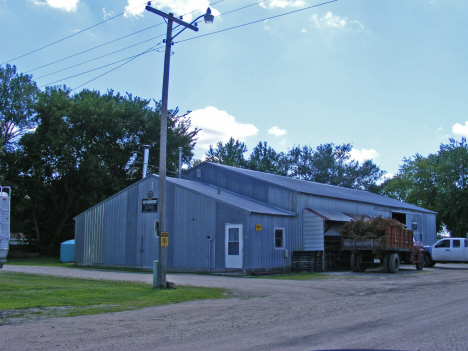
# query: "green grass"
298,276
24,296
38,261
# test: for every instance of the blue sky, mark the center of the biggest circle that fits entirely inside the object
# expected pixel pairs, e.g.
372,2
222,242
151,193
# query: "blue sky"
388,76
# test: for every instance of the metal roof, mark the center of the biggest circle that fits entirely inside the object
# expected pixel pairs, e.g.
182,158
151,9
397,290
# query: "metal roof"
229,198
331,216
319,189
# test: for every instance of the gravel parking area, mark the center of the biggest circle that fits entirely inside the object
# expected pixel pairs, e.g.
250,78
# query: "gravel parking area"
410,310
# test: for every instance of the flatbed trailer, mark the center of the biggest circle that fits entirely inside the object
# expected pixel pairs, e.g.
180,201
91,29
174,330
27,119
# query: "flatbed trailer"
395,247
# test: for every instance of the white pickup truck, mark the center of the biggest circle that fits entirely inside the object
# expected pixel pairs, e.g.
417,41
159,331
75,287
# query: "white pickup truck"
452,250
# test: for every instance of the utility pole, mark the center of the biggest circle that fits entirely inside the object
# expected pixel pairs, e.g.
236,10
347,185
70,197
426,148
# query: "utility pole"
161,274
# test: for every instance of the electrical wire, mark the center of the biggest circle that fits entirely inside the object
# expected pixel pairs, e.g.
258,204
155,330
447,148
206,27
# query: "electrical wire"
97,58
257,21
200,36
95,69
89,81
87,50
72,35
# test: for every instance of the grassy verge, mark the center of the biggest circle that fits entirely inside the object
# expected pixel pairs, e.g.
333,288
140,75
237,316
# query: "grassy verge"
25,296
38,261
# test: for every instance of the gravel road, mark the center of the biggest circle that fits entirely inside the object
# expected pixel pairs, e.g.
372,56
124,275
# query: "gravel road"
410,310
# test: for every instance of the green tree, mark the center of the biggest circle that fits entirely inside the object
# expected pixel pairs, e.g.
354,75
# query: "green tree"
438,182
230,154
330,164
79,154
18,94
265,159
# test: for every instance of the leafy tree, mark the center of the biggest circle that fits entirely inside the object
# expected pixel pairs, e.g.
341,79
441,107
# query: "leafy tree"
330,164
18,94
438,182
265,159
78,156
231,153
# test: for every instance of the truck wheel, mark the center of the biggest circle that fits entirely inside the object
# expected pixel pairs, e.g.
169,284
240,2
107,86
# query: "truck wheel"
360,266
393,263
385,263
420,264
353,262
428,262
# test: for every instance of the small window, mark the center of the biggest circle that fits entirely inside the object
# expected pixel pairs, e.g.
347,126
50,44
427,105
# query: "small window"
466,242
443,243
456,243
279,238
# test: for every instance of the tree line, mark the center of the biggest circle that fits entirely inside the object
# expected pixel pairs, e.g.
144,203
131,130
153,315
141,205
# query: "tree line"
64,152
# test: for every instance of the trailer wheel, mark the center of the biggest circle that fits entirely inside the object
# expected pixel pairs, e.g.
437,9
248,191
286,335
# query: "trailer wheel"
393,263
360,266
385,263
353,262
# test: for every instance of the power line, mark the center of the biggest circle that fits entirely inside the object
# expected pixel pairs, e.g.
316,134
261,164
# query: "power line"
101,45
79,32
95,69
257,21
89,81
97,58
109,42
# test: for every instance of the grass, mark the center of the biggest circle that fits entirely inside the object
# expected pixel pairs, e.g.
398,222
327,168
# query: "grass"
25,296
38,261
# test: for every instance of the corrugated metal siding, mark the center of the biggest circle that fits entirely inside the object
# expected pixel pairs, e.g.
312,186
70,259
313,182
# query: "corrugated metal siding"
227,215
312,228
259,246
193,220
94,235
79,239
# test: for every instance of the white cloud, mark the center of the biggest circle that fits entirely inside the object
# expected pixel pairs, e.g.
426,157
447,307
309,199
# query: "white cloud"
363,154
459,129
67,5
277,131
106,15
281,3
334,21
185,8
218,126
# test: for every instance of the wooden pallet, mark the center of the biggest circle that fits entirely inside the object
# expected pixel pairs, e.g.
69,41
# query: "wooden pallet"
335,258
307,261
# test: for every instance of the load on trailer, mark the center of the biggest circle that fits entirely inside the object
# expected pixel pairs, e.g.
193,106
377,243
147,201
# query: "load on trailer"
5,195
381,238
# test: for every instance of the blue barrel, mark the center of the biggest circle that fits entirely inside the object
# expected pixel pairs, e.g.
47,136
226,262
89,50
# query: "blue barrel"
67,251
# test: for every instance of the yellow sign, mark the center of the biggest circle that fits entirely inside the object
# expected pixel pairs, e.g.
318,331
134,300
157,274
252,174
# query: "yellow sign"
164,239
258,227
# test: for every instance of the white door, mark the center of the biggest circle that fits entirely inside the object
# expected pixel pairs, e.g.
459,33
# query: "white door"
234,247
441,250
458,249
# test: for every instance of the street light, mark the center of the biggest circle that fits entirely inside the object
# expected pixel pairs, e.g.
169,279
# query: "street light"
208,17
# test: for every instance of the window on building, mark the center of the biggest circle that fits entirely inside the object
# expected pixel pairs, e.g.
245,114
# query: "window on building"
279,238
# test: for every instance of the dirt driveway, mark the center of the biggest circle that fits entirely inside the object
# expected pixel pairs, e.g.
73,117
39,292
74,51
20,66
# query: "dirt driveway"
411,310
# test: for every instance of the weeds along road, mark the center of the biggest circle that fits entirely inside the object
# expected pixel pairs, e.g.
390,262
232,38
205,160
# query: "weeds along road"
410,310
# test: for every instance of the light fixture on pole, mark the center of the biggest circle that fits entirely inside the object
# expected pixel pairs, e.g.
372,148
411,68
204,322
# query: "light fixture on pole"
208,17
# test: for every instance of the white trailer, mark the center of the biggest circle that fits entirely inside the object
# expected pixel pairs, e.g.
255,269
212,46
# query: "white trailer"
5,195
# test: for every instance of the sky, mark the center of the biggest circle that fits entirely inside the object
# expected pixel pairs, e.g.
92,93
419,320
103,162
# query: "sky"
387,76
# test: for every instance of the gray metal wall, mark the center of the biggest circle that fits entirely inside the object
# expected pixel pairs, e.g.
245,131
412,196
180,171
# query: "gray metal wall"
296,202
313,228
116,232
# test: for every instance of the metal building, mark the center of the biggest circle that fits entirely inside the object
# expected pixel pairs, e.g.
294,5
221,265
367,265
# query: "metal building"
227,218
210,229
